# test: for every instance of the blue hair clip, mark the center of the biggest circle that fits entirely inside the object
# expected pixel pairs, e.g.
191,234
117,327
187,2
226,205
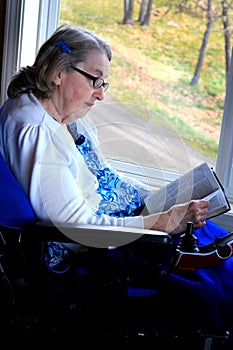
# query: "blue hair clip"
65,47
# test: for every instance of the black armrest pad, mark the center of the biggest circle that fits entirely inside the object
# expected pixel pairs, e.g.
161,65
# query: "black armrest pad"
97,236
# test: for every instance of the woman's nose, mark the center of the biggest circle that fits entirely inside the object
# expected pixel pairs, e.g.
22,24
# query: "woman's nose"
99,93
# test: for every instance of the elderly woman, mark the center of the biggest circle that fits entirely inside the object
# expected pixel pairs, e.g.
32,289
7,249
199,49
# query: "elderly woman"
52,148
37,134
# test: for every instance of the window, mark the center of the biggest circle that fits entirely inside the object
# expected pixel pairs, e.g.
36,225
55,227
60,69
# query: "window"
224,165
29,23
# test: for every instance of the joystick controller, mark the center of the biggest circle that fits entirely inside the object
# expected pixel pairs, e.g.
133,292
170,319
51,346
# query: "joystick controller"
188,241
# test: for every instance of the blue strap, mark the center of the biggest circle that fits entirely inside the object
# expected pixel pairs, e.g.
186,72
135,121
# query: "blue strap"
119,198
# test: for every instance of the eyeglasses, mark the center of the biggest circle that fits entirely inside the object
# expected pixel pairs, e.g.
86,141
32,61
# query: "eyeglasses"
97,82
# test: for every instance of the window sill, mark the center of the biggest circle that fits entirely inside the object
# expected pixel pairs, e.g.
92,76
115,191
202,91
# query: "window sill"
156,178
225,220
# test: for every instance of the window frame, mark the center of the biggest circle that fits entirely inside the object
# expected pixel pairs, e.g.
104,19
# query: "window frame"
44,16
224,161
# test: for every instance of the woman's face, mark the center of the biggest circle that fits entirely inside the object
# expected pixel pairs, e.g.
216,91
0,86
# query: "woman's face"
75,94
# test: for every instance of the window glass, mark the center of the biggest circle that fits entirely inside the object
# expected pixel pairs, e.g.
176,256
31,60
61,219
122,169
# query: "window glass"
151,114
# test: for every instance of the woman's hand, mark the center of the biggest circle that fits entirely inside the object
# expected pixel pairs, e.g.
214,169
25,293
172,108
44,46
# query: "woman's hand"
175,219
195,211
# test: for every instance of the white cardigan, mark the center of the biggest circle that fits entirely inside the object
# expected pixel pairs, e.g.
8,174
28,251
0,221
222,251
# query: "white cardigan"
42,155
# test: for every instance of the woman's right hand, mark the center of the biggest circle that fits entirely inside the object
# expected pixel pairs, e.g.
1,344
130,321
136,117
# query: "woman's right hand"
175,219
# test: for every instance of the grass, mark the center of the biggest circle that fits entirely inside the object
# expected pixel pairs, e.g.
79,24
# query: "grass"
153,66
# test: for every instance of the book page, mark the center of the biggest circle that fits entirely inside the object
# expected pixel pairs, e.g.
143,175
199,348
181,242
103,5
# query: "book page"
196,184
217,202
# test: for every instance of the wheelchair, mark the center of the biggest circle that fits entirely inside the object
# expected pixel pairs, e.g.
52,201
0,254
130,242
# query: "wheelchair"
109,296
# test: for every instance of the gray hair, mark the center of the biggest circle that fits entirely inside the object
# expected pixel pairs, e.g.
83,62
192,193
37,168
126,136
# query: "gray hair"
67,46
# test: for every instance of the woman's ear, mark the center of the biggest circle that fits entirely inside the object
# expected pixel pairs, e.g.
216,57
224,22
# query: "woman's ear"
57,78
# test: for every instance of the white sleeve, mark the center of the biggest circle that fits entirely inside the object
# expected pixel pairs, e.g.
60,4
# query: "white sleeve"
68,189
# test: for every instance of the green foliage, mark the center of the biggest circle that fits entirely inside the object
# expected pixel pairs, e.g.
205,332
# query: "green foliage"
153,66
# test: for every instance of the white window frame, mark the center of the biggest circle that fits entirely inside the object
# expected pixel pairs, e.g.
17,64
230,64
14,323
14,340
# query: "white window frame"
44,20
23,31
224,164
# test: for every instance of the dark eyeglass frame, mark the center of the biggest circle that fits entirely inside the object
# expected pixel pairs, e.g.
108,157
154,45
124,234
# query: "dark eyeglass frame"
97,82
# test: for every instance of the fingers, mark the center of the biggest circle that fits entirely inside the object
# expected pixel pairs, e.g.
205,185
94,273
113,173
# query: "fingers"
198,211
195,211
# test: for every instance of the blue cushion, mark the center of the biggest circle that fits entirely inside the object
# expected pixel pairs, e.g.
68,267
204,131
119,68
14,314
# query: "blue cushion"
15,208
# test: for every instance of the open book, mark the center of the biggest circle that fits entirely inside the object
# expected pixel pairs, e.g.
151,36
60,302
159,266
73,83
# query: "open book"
200,182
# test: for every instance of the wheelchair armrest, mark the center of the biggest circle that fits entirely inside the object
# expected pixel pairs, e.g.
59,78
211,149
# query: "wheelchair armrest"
98,236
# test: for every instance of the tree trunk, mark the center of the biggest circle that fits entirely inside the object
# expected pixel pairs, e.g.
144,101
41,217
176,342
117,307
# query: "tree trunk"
227,34
197,73
128,11
142,11
146,21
